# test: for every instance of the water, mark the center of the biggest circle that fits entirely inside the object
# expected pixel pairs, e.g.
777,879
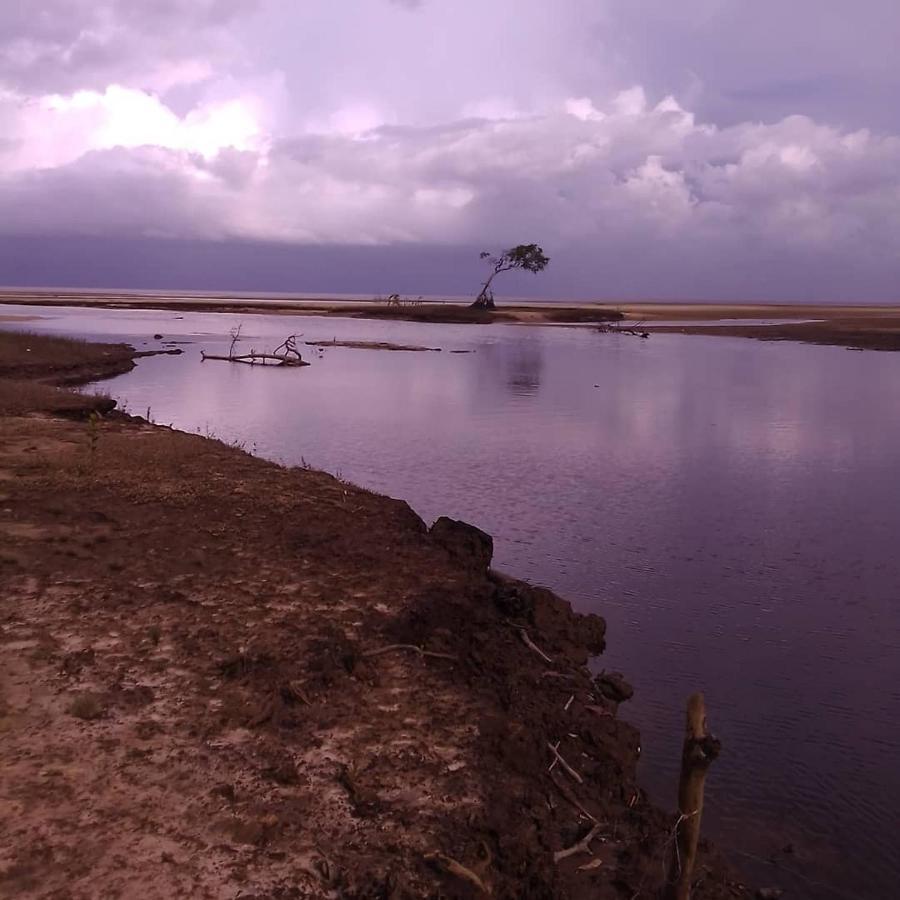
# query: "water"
731,507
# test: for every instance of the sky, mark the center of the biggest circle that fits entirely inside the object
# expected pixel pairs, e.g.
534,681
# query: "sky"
705,149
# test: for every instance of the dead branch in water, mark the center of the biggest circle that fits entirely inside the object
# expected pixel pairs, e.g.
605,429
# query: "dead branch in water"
285,354
616,328
253,359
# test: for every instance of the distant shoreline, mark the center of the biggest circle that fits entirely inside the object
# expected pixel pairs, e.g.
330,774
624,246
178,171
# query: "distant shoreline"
855,326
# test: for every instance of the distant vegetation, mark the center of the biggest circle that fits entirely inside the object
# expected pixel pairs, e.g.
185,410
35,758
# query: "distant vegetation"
529,257
397,300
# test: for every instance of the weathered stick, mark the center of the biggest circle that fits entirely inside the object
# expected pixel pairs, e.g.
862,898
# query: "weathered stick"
285,354
528,642
257,358
449,864
583,846
390,649
699,750
567,792
563,763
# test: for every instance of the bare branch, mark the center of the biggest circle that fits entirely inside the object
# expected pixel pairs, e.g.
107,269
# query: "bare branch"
393,647
583,846
448,864
564,764
567,792
526,640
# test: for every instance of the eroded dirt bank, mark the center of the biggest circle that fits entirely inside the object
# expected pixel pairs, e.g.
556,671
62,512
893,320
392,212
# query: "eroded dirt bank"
202,692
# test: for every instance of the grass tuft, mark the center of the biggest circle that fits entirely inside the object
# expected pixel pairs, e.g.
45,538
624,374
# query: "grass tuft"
87,706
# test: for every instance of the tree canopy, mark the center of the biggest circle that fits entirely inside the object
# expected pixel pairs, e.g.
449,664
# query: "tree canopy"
529,257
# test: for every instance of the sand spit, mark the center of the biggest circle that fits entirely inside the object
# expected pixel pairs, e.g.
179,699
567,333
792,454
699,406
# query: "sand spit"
855,326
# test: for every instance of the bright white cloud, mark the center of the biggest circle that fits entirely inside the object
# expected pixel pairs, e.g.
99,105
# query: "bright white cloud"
56,130
579,174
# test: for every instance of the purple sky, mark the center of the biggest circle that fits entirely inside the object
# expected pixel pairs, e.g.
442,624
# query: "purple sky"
715,149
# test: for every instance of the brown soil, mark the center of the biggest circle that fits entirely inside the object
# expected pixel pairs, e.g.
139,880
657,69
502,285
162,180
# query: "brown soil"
61,360
854,327
193,701
855,334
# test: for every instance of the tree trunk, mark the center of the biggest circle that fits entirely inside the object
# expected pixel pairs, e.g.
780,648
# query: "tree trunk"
485,299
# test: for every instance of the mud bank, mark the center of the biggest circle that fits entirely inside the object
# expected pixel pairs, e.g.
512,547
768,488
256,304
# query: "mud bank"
224,678
855,326
435,313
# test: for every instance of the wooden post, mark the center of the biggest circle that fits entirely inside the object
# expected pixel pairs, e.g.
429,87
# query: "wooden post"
699,750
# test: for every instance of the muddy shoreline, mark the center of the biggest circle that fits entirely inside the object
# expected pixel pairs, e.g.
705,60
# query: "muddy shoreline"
220,677
857,327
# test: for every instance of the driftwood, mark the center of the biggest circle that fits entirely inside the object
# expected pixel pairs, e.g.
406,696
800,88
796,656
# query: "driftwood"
422,652
615,328
569,795
699,751
285,354
583,846
530,644
453,867
554,749
253,359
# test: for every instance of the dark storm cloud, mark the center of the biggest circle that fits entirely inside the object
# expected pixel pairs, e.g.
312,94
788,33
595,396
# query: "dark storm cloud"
734,61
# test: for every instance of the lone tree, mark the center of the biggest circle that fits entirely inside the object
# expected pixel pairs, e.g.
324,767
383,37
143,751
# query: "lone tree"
529,257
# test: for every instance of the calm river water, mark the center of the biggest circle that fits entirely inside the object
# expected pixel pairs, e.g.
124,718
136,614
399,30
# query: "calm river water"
731,507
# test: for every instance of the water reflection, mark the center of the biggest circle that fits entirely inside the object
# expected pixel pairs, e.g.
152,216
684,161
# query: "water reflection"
731,507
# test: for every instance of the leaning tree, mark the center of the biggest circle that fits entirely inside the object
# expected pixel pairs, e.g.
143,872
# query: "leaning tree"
529,257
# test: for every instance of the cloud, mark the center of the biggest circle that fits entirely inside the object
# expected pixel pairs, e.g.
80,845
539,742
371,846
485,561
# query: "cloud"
69,44
632,178
467,123
54,130
735,61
